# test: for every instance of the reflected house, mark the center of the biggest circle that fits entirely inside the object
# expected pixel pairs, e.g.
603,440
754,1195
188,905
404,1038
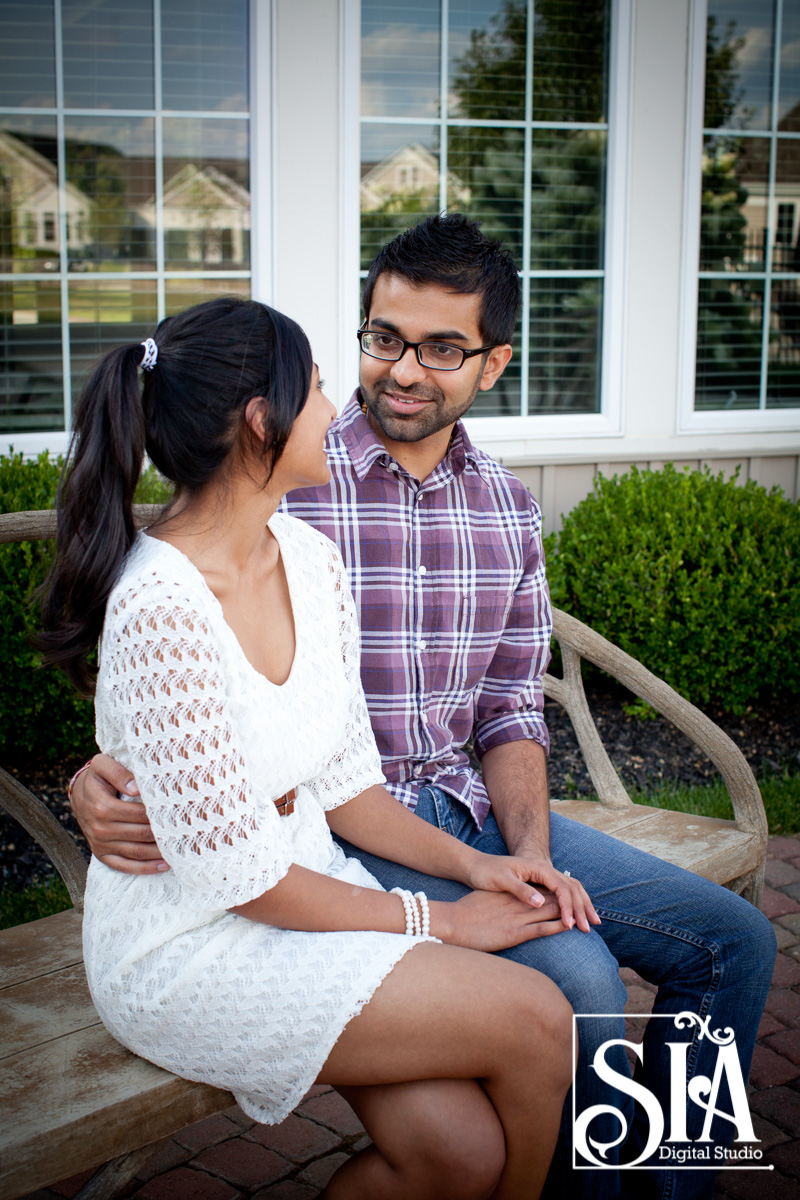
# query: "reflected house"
410,171
29,195
206,217
753,173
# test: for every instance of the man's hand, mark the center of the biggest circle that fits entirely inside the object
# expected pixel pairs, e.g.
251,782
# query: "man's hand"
492,873
118,831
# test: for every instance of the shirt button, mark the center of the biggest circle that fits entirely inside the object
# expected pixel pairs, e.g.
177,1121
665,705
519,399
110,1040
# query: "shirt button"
424,718
423,570
393,466
422,644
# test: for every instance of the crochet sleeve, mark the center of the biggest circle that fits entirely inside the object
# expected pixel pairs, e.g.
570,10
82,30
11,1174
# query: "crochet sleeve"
357,764
172,713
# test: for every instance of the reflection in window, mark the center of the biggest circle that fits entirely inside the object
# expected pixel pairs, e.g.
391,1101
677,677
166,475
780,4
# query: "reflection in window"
126,211
449,105
748,334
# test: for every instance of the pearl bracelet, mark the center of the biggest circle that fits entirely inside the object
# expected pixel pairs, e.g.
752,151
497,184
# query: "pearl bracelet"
425,914
410,909
418,919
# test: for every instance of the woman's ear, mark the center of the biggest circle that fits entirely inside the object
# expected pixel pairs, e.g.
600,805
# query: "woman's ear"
255,415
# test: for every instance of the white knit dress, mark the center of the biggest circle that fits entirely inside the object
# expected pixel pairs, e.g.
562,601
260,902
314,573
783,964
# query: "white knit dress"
177,978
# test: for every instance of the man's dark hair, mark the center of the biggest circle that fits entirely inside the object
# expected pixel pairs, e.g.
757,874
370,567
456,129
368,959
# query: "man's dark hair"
452,252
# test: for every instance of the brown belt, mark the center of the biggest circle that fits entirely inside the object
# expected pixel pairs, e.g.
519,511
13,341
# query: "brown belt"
285,803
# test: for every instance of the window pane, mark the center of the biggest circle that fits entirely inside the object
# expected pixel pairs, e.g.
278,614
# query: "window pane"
110,193
30,236
568,199
733,215
399,181
783,368
729,344
106,314
31,380
566,332
486,180
739,63
206,194
108,53
486,49
785,251
400,58
570,60
204,55
182,293
27,54
504,398
789,103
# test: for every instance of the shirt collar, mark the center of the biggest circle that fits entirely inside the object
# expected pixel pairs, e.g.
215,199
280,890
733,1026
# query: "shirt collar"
365,448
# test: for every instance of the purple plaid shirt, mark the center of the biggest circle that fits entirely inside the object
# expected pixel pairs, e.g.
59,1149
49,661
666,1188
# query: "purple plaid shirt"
448,579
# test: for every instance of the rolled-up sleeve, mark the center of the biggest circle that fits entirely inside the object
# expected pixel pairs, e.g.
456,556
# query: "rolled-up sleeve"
510,700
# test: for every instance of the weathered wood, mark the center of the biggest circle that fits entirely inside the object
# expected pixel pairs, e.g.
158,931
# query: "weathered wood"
43,827
40,947
41,523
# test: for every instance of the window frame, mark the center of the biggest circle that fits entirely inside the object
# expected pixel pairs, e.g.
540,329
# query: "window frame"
689,420
260,116
525,432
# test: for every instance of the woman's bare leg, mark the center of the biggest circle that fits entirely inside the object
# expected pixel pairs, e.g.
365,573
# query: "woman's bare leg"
436,1139
446,1013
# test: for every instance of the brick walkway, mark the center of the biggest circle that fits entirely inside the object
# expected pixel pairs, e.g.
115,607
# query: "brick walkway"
229,1157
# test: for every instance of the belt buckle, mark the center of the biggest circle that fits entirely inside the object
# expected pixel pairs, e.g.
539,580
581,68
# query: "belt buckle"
285,803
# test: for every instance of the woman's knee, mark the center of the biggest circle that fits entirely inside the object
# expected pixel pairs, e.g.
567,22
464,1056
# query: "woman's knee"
458,1145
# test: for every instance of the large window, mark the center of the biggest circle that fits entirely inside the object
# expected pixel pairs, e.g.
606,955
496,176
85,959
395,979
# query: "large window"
748,332
499,109
124,182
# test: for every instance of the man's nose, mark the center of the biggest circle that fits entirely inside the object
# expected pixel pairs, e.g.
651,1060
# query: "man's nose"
408,370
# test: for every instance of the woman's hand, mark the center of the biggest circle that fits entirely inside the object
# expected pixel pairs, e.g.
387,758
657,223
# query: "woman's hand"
493,873
493,920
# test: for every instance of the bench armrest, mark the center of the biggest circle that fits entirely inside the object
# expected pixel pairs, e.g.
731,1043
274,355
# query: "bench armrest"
579,641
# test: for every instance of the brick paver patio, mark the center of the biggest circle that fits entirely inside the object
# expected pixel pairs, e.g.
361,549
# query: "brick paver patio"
229,1157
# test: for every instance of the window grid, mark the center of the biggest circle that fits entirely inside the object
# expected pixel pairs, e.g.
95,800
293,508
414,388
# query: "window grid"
444,122
64,276
773,136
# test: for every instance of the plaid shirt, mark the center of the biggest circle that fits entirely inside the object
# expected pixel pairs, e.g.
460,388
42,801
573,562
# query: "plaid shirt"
448,579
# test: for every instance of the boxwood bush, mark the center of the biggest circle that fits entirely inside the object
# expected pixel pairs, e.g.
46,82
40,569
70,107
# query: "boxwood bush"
42,719
696,576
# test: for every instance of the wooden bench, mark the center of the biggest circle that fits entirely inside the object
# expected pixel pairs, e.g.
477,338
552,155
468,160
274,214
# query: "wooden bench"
73,1098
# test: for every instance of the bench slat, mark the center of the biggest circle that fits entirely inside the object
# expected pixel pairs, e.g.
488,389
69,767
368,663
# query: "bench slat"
707,846
39,1010
82,1099
40,947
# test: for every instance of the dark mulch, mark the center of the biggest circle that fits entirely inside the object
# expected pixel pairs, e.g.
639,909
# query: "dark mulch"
644,752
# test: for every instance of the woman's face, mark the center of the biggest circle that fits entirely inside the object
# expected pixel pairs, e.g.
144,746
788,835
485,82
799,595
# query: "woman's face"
304,462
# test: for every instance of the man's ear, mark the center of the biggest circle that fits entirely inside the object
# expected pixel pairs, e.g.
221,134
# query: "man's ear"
255,415
496,363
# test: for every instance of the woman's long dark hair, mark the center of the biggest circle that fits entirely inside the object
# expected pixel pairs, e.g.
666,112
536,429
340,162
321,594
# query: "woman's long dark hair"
186,414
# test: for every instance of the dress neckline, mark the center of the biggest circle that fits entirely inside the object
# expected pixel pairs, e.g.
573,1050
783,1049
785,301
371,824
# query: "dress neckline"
293,591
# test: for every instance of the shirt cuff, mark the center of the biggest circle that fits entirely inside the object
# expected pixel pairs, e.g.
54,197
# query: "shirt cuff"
511,727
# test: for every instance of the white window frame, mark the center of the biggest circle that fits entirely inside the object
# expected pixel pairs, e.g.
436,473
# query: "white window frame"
495,434
690,421
261,117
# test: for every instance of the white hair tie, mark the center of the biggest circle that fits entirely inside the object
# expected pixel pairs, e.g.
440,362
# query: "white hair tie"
150,355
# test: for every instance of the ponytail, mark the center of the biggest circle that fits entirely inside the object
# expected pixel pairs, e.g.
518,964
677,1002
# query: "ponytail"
186,413
95,513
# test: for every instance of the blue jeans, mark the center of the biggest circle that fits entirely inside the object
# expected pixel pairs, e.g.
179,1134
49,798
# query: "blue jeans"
707,950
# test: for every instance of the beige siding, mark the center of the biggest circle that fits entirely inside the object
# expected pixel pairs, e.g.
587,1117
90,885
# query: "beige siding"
558,487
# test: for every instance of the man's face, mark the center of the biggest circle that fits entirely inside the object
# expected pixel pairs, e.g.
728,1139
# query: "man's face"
405,400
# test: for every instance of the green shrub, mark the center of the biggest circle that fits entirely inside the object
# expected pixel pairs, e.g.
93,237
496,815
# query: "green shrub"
40,899
41,716
697,577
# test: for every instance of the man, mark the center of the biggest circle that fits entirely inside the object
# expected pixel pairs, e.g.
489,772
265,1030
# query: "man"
443,550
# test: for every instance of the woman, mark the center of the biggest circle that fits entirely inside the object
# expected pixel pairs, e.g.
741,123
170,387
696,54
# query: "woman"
229,683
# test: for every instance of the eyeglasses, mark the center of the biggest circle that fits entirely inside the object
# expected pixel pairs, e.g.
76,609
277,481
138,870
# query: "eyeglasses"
438,356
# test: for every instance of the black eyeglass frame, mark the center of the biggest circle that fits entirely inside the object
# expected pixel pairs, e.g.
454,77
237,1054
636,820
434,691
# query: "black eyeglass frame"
416,346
